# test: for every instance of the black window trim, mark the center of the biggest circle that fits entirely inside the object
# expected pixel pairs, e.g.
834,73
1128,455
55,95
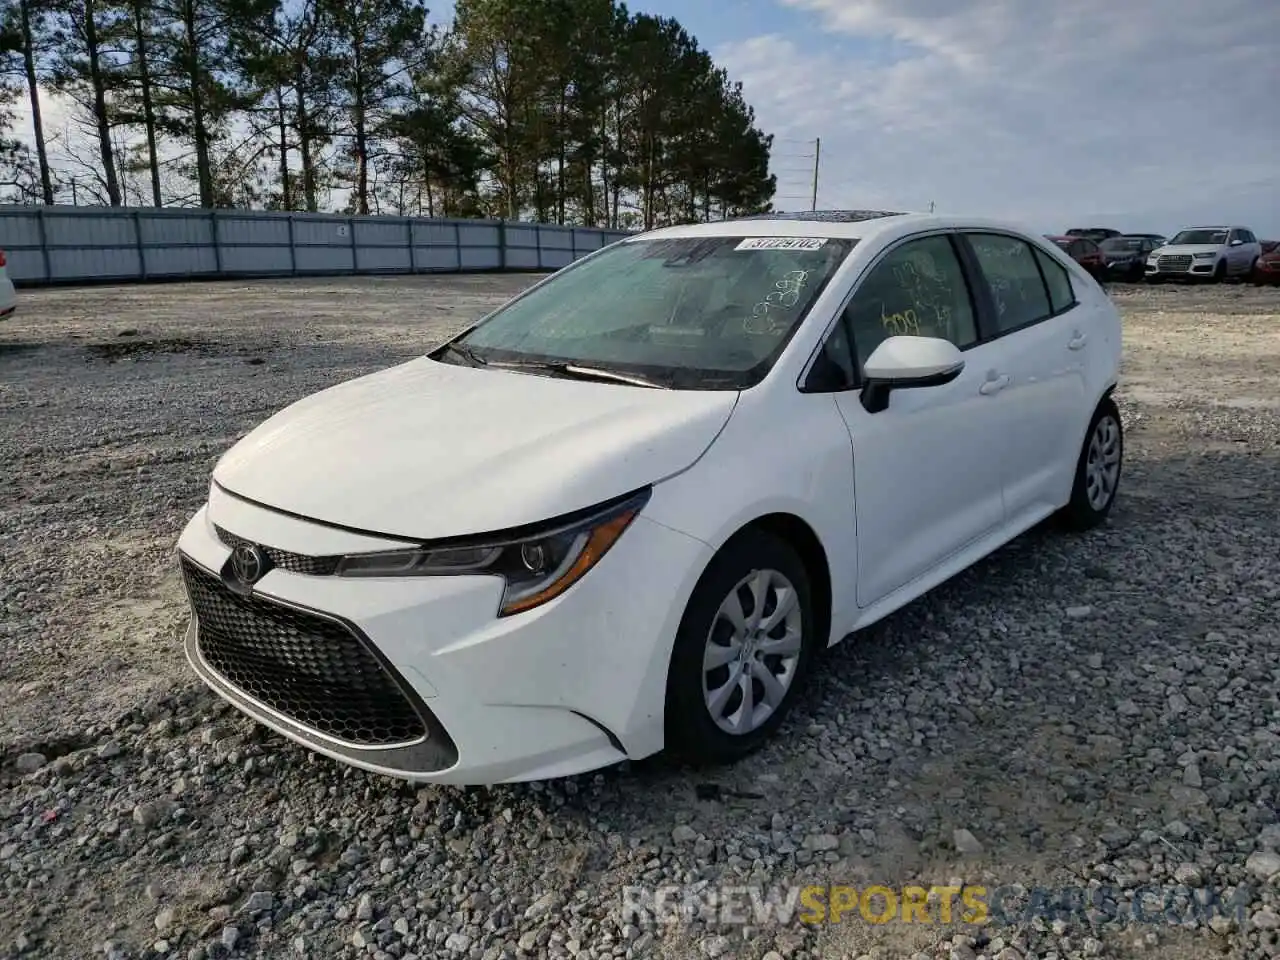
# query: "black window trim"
957,248
988,326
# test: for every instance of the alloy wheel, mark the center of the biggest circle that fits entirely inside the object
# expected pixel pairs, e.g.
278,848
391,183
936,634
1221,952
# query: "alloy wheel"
752,651
1102,467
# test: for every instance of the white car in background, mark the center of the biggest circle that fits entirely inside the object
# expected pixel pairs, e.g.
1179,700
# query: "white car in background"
625,511
1209,253
8,295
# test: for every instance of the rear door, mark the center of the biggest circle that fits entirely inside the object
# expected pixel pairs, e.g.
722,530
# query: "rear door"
1041,336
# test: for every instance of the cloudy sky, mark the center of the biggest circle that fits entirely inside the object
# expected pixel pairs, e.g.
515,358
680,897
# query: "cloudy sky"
1148,115
1145,114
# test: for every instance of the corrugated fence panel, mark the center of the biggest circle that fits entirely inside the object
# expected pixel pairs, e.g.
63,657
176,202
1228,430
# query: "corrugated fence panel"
178,230
101,263
180,261
322,230
375,233
90,230
248,231
22,230
70,244
555,247
256,258
383,259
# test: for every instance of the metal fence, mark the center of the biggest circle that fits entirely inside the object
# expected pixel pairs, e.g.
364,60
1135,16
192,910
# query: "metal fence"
83,244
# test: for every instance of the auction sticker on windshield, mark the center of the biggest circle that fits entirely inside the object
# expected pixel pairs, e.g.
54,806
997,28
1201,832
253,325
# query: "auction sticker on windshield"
781,243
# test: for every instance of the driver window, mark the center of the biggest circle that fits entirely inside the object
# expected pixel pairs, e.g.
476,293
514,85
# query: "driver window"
919,289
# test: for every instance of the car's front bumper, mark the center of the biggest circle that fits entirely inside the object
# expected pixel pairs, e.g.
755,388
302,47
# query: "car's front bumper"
570,686
1180,266
1267,271
1125,267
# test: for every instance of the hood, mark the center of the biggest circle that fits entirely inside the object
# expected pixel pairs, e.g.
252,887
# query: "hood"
427,450
1191,248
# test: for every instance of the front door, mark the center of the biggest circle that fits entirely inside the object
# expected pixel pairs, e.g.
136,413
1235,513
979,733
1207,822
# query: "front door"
927,468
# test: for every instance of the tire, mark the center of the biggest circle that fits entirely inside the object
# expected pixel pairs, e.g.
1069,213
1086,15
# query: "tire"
1084,511
692,733
1220,271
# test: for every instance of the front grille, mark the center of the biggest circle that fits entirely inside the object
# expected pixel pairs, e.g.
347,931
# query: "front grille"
285,560
311,669
1174,263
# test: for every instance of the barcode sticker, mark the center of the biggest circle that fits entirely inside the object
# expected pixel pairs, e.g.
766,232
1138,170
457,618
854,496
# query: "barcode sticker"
781,243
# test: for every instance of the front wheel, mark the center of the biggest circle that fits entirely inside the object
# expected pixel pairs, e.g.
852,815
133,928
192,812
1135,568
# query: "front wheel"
1220,271
1097,471
741,652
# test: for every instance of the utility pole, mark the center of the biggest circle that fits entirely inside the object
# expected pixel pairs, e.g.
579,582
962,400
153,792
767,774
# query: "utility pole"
817,156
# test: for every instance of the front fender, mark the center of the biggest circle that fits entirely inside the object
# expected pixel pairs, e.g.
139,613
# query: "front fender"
791,457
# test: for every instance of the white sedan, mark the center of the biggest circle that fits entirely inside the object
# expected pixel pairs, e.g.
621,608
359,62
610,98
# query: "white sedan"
624,511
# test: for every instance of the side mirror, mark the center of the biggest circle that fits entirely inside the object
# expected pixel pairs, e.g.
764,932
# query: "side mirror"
902,363
1237,242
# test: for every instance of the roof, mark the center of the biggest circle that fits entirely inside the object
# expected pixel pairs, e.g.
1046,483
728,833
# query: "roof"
825,216
862,225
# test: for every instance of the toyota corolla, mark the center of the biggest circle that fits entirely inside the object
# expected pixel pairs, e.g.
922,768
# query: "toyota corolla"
623,512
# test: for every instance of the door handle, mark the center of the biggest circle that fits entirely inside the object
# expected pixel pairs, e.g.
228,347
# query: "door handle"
994,385
1077,341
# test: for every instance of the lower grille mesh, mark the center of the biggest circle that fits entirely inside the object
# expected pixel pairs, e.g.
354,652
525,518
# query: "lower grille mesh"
313,670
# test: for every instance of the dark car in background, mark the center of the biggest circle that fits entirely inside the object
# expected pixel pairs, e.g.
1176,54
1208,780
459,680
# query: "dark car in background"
1085,252
1096,234
1267,269
1125,258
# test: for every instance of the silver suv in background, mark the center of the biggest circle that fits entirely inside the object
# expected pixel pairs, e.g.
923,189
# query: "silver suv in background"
1209,253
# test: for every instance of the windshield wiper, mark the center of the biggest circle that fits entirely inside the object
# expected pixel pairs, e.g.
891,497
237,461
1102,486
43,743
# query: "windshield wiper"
595,373
578,372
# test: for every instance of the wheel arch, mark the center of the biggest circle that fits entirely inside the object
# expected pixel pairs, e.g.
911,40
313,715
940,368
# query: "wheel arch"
801,537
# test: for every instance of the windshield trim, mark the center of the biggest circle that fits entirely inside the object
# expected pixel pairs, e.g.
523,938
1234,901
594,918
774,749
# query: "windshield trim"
676,378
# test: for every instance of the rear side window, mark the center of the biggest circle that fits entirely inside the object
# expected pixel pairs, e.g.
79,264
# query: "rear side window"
1057,280
1009,265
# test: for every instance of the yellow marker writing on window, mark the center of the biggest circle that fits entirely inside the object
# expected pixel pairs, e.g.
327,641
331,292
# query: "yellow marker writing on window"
904,323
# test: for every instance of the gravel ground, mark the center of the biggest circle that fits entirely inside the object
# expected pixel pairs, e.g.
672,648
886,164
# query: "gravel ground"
1081,711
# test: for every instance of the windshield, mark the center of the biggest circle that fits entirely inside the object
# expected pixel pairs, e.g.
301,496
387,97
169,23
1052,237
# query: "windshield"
1121,244
1203,235
691,313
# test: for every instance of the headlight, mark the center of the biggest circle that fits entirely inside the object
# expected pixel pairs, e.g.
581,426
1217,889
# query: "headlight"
536,567
1205,256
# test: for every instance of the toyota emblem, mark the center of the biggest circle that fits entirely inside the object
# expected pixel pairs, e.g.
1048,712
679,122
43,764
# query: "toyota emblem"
248,563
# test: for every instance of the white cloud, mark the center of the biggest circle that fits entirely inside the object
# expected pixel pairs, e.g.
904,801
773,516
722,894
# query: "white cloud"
1157,111
55,112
